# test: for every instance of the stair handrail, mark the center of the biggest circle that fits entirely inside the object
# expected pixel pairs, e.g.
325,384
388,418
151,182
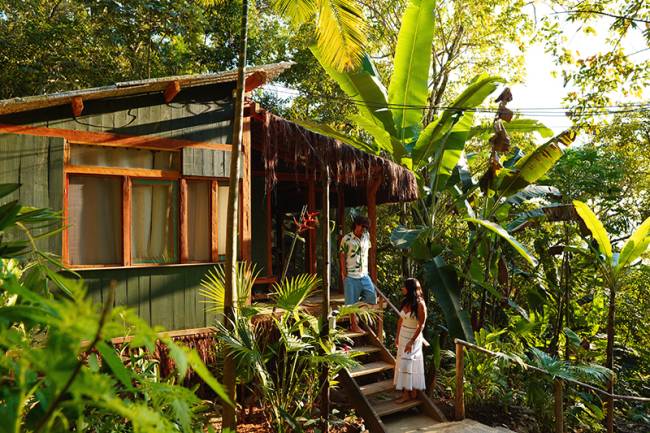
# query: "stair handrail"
459,406
390,304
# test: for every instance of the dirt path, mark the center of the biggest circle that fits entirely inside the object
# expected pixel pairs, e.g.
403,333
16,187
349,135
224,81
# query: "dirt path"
424,424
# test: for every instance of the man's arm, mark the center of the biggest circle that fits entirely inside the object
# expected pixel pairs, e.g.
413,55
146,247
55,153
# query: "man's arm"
344,271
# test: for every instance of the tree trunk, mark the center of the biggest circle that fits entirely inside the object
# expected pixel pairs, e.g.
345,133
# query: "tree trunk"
229,419
610,355
325,307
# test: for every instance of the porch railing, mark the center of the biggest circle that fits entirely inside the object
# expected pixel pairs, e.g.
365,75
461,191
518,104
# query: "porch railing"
558,385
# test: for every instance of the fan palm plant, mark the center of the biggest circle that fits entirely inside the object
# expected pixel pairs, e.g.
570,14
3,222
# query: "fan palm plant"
613,268
279,362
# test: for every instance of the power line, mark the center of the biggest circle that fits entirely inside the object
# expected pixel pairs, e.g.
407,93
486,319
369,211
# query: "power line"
536,111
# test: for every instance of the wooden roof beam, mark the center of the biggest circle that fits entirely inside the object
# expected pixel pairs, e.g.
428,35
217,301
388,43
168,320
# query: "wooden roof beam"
77,105
172,89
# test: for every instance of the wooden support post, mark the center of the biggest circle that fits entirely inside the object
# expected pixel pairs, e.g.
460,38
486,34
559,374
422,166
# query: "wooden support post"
373,186
214,220
77,105
610,406
559,405
311,234
246,230
459,407
269,235
126,220
340,223
184,243
325,306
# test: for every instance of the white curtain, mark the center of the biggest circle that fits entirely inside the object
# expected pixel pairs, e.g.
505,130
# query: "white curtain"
222,199
95,220
198,215
154,222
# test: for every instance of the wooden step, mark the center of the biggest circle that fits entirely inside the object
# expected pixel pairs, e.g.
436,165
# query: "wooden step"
370,368
365,349
388,407
377,387
352,335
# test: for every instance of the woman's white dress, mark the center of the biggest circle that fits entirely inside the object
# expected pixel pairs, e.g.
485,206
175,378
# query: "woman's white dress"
409,368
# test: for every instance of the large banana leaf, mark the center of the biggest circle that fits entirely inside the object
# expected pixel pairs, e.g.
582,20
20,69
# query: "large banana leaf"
363,86
409,84
534,191
516,125
384,141
295,11
533,166
551,213
595,227
636,245
443,281
500,231
433,135
453,147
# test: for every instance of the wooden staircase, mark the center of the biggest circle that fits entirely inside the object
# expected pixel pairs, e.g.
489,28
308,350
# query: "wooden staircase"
370,389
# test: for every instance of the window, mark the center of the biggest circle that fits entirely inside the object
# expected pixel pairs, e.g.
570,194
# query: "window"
95,213
132,207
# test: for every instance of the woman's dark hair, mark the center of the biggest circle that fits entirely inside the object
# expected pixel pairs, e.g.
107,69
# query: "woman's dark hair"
411,299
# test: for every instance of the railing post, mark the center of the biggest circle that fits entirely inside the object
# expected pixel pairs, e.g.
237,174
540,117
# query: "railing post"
558,385
460,381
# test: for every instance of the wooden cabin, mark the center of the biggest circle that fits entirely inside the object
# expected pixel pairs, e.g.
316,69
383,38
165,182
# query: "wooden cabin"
140,173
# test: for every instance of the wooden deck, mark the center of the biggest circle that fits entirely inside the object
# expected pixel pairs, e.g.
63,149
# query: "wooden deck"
424,424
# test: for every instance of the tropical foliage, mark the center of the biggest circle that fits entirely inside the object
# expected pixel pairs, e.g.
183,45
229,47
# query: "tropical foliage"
59,369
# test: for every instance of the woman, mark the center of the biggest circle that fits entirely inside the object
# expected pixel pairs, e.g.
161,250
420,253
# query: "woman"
409,369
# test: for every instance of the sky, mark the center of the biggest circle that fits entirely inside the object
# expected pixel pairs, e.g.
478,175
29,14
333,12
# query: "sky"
546,90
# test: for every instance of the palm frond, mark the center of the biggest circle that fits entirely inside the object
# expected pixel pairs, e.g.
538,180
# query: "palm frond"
214,286
296,12
364,313
290,293
341,33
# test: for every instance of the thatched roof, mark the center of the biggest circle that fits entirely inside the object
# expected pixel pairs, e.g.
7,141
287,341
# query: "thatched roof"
281,140
258,74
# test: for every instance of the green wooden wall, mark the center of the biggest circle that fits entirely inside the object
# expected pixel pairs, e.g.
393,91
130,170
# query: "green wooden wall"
163,295
36,163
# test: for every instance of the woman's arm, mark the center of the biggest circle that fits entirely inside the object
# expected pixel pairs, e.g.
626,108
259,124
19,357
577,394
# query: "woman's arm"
399,328
422,317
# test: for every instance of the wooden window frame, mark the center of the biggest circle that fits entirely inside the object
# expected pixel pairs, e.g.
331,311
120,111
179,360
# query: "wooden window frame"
128,175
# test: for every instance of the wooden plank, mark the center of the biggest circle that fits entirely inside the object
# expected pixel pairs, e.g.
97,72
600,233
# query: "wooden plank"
121,288
112,139
114,171
389,407
127,189
184,247
377,387
214,220
559,405
163,284
208,162
269,235
178,302
361,403
144,296
133,289
245,228
371,368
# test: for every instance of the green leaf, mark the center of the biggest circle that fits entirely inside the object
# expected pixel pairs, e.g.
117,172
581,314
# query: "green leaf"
516,125
474,95
363,86
180,359
409,83
199,368
453,148
595,227
441,278
341,33
533,166
295,11
8,188
115,364
533,191
636,245
500,231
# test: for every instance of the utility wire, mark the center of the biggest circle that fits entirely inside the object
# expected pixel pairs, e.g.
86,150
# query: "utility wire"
537,111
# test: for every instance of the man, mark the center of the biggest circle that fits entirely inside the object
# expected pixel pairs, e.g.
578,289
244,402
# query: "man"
353,259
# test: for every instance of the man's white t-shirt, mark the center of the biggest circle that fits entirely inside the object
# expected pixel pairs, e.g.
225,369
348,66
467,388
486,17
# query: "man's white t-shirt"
356,254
